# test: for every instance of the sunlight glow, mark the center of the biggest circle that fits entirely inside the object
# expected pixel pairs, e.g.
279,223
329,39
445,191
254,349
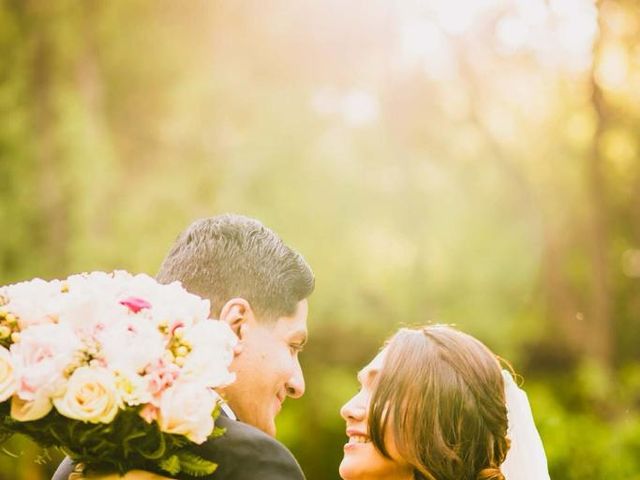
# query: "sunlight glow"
423,44
457,16
534,12
357,108
576,30
613,70
559,32
420,38
513,33
453,18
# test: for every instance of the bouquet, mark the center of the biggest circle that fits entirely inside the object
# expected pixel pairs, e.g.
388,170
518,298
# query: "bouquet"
116,370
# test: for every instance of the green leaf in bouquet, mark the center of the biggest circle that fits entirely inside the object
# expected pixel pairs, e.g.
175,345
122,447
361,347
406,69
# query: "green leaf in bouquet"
153,450
171,464
217,431
177,442
124,444
127,446
195,465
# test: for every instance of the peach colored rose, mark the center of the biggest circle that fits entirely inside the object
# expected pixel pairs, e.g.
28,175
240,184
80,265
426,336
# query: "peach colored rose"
91,396
186,409
27,410
7,375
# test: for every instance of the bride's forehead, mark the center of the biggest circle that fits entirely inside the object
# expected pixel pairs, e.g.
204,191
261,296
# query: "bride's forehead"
373,367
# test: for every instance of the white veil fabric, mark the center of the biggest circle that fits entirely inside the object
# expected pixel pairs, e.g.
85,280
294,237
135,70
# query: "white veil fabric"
526,459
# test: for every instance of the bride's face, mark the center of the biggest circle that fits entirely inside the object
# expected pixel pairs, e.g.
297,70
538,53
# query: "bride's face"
362,461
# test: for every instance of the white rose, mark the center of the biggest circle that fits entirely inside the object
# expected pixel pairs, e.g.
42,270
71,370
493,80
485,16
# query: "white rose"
7,375
41,357
186,408
131,344
99,284
90,303
91,396
212,344
30,301
86,313
92,300
171,302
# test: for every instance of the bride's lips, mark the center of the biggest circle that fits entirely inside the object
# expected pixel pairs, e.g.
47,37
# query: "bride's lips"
357,438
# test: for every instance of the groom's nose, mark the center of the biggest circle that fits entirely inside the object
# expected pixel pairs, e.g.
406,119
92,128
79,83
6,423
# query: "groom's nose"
295,384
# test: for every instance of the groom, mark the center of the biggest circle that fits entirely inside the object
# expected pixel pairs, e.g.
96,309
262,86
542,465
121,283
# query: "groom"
259,286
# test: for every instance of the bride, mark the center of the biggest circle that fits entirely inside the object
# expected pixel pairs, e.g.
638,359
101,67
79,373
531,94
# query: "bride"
434,404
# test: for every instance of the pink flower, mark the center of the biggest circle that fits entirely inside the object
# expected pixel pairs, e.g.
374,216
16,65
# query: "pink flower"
161,376
149,413
135,304
175,326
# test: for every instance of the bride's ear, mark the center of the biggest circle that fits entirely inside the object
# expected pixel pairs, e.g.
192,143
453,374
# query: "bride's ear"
237,313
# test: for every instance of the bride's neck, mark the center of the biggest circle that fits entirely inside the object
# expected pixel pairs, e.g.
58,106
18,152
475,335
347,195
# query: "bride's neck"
408,476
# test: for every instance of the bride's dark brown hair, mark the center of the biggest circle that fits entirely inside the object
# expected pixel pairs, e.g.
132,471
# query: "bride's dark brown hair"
440,399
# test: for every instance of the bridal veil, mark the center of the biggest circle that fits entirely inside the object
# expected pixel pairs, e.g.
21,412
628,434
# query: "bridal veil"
526,459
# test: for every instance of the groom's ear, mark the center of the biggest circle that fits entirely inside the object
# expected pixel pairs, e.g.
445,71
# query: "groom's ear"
237,313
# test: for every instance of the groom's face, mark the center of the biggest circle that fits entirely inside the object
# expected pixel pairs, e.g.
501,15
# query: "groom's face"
268,369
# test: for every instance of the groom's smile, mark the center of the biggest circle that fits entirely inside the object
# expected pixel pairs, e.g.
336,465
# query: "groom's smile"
268,370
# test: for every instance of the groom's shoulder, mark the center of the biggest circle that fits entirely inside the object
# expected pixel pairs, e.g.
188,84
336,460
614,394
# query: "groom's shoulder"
244,453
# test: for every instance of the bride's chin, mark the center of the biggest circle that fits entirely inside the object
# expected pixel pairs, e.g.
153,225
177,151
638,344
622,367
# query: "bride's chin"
345,472
352,467
345,466
362,461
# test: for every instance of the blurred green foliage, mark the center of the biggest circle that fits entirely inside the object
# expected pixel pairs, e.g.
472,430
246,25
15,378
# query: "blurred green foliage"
479,168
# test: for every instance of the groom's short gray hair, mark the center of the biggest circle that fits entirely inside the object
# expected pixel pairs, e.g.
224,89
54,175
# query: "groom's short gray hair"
229,256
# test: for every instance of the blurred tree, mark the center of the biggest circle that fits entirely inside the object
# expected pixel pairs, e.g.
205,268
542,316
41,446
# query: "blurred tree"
466,162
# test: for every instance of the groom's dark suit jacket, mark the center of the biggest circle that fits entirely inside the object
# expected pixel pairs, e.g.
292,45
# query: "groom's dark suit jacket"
242,453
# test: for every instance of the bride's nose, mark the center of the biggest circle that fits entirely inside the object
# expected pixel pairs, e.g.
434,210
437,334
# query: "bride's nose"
354,409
